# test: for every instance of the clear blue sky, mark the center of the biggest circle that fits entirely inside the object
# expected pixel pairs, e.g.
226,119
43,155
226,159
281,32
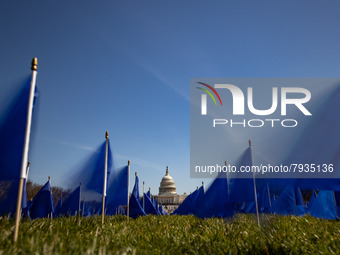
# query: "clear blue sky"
125,67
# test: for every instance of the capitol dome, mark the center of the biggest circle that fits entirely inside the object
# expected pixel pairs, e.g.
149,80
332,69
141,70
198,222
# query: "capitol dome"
167,185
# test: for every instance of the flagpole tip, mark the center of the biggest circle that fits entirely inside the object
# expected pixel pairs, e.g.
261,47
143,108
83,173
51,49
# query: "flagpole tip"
107,134
49,178
28,164
34,66
203,183
143,182
135,173
250,143
128,162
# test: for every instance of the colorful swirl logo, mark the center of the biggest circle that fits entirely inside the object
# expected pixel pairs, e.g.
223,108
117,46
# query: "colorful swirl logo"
204,97
209,93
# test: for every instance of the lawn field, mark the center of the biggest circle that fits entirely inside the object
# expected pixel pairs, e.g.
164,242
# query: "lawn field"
172,235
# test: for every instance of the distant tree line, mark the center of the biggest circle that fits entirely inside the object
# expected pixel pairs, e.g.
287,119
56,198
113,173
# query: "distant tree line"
33,188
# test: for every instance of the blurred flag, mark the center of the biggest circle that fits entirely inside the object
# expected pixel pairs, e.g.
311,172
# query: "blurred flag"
117,190
135,209
91,174
190,203
12,133
285,203
216,200
149,207
42,204
324,205
71,203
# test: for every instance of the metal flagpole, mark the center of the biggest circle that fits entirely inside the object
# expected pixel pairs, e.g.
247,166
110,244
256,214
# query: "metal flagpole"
105,173
143,196
27,170
256,205
26,147
128,183
225,163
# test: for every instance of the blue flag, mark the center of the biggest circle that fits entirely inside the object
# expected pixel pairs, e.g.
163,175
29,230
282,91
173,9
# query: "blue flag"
216,200
8,200
91,174
12,134
242,189
70,205
299,201
285,203
149,194
42,204
117,190
191,203
135,209
149,207
58,209
324,205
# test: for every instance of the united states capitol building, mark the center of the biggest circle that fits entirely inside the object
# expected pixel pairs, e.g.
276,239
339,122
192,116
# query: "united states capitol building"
167,195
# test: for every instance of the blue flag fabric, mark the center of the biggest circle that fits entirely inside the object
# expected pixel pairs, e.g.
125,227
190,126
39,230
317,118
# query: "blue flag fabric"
314,147
216,202
324,205
311,200
149,194
285,203
184,208
157,207
12,134
8,200
91,174
117,190
135,209
242,189
192,203
263,199
70,205
42,204
300,203
58,209
149,207
198,201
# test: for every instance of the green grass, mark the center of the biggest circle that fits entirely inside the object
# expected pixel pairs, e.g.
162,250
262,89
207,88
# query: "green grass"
172,235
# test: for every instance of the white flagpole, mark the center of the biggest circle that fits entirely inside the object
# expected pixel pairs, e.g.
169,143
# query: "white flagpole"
225,163
256,205
128,202
26,147
143,196
27,170
105,173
